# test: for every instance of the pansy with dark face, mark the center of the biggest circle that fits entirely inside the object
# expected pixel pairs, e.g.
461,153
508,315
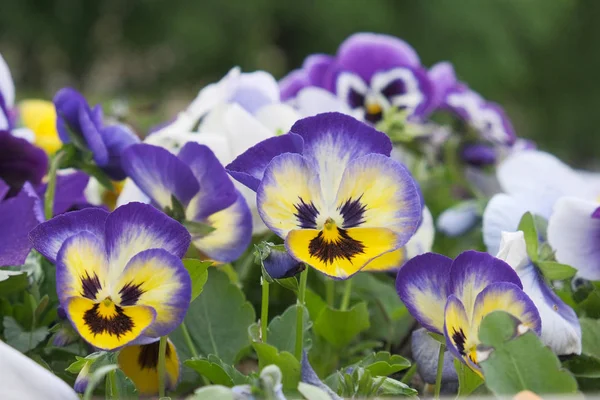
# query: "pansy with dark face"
119,276
452,297
330,189
370,73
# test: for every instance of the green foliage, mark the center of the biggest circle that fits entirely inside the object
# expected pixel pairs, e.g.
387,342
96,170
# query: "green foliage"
198,271
287,363
216,371
527,225
12,282
556,271
468,380
21,339
590,336
119,386
508,366
338,327
362,383
383,363
282,330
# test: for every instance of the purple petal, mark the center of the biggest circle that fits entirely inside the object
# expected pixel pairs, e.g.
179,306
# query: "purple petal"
69,192
308,375
249,167
18,216
479,155
135,227
68,102
117,138
4,188
160,174
92,136
216,191
443,78
422,286
20,162
292,83
48,237
317,68
279,264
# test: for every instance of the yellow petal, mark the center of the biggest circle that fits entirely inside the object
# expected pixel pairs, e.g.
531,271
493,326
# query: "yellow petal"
40,117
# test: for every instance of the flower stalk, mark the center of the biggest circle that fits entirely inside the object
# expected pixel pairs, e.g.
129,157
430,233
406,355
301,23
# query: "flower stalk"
51,188
300,314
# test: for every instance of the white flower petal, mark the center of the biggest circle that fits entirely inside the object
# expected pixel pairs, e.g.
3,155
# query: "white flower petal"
513,250
575,236
7,86
243,130
314,100
422,241
131,193
277,117
214,94
458,220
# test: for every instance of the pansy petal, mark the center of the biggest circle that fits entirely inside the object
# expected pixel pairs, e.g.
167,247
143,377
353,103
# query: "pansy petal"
461,340
131,193
157,279
249,167
332,140
388,261
92,136
140,364
81,267
508,297
106,325
314,100
378,192
443,78
136,227
459,219
18,216
342,252
278,118
20,162
217,191
7,86
232,232
67,102
160,174
70,188
47,238
502,214
39,116
292,83
255,90
574,232
117,138
289,195
421,284
422,241
472,271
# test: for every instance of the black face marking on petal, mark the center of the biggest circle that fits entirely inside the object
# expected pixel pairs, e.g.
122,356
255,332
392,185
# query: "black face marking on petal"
342,247
91,285
394,88
353,212
117,325
306,214
459,339
374,117
148,358
130,294
355,99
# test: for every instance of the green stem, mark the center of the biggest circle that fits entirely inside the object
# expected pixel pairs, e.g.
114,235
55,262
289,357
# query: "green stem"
162,366
346,296
51,188
409,374
300,314
330,291
188,340
112,384
264,310
440,368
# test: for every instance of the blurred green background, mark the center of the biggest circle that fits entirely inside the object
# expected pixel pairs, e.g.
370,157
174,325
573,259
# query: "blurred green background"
538,58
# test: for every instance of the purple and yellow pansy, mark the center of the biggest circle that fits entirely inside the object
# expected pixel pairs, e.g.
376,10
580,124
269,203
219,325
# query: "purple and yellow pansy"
200,184
331,191
451,297
119,276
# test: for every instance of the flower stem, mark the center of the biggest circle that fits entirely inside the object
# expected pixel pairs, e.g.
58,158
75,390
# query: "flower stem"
162,366
440,368
188,340
300,314
409,374
264,310
51,188
346,296
330,291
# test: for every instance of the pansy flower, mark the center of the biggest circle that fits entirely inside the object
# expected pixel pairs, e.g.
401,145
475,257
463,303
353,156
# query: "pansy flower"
330,190
119,276
452,297
370,73
200,185
78,122
7,96
39,116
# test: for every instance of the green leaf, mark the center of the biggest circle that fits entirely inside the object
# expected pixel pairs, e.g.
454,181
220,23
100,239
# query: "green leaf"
12,282
383,363
590,336
215,392
282,330
96,377
77,366
527,225
590,307
340,327
21,339
287,363
468,380
123,387
290,283
556,271
216,371
218,319
392,387
197,229
438,338
198,271
584,366
508,369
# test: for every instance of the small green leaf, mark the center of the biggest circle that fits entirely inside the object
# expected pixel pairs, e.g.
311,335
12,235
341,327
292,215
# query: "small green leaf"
340,327
216,371
123,387
508,366
282,330
198,271
290,283
468,380
392,387
197,229
527,225
590,336
287,363
75,367
12,282
590,306
21,339
383,363
556,271
584,366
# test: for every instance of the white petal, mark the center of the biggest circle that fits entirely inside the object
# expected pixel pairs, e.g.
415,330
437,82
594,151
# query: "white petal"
502,214
258,226
7,86
219,145
513,250
278,117
24,379
422,241
171,139
261,81
243,129
23,133
314,100
3,121
214,94
574,234
131,193
457,220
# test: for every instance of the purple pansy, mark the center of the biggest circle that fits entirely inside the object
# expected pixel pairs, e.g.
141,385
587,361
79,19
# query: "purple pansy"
198,181
452,297
20,162
370,73
77,121
119,276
